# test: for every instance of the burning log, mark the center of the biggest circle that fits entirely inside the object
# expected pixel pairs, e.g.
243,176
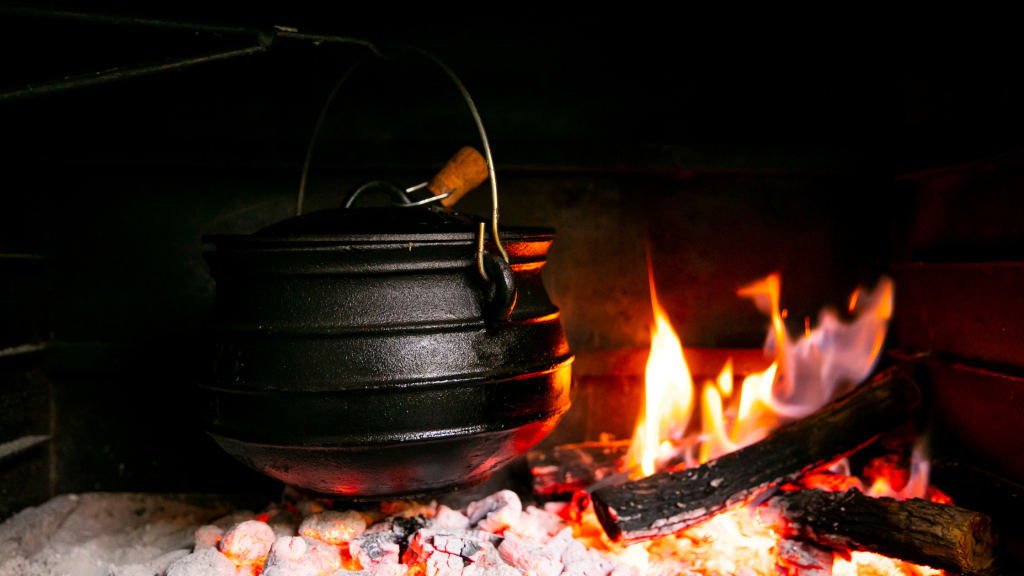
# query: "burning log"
937,535
998,498
669,502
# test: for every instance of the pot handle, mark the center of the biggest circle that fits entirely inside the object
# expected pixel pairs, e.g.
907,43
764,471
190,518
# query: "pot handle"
489,160
502,295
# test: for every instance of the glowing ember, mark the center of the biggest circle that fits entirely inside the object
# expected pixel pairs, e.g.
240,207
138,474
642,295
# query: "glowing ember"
247,543
332,527
889,480
870,564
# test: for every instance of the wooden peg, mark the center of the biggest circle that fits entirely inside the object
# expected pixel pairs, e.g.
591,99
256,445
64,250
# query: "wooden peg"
466,170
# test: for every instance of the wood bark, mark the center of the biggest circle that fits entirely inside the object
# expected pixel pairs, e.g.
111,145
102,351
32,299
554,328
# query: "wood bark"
1000,499
918,531
668,502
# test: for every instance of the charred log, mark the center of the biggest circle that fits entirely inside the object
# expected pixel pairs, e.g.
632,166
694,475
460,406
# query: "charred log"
999,498
936,535
669,502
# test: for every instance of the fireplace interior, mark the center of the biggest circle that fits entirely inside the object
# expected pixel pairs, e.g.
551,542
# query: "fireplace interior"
682,165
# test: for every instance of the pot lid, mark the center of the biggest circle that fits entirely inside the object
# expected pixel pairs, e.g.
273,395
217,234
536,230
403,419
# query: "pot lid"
388,224
389,220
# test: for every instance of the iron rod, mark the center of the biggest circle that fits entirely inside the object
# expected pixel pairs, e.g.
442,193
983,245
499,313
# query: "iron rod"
15,447
265,36
115,74
18,9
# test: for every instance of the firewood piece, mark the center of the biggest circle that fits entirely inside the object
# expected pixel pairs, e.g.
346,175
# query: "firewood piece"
936,535
669,502
999,498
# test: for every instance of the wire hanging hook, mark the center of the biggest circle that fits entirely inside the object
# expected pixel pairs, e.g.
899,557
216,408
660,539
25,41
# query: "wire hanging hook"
476,118
484,141
480,253
316,132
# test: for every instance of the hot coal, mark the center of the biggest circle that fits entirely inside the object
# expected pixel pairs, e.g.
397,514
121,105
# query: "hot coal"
798,558
333,527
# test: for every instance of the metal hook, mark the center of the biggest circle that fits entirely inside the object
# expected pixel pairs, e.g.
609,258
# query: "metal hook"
424,201
480,128
484,141
480,253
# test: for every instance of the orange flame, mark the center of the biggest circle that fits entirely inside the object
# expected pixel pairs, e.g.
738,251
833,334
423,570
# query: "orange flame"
805,375
668,391
915,484
769,288
725,379
335,536
716,441
827,359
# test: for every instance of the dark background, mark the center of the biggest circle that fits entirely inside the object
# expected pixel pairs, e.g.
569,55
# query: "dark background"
733,150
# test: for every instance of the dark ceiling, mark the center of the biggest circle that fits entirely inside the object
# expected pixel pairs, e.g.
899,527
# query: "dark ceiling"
571,88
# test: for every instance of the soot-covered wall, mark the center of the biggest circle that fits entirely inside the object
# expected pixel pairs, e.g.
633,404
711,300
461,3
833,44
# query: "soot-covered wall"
730,155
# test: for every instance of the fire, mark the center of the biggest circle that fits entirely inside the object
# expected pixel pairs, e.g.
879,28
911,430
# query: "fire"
332,536
871,563
716,440
890,481
724,379
806,374
769,288
825,361
668,392
333,527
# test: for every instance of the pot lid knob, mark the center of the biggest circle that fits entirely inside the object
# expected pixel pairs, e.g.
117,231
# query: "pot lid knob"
466,170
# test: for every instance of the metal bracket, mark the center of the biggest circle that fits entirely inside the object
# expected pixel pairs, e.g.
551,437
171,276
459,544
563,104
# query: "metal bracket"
265,38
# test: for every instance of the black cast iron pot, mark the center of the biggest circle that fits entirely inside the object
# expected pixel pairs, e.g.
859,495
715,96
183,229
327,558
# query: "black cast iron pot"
359,353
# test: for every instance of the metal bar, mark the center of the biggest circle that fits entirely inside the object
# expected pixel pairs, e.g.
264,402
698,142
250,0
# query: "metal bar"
23,349
318,38
22,257
115,74
15,447
18,9
265,36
